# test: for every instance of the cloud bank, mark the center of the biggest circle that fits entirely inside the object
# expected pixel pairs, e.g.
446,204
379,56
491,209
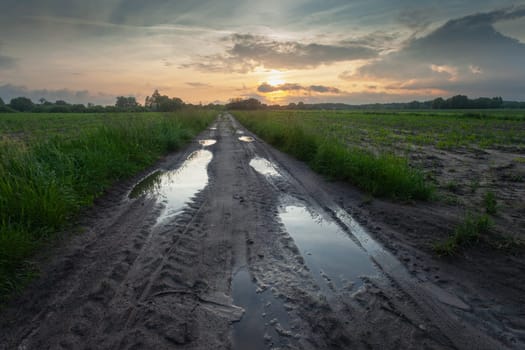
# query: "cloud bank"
267,88
8,92
251,51
465,55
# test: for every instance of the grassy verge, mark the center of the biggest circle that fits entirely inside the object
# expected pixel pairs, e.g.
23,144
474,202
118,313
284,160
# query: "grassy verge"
383,174
46,180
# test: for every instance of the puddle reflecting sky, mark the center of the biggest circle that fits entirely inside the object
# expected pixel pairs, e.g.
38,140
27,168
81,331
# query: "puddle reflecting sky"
175,188
328,251
264,166
246,139
206,143
260,310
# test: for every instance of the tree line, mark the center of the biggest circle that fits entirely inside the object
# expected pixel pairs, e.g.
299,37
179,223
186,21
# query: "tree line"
454,102
154,103
163,103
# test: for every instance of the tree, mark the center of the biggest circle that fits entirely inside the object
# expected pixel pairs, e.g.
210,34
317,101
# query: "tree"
21,104
2,102
249,104
458,101
126,102
163,103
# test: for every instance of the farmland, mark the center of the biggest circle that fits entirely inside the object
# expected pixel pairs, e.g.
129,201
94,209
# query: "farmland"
471,163
52,166
226,233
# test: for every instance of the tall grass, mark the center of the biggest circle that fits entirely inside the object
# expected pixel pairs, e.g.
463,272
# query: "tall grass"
384,174
46,181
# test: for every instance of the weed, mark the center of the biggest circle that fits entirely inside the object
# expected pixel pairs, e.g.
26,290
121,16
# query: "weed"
452,186
490,203
466,234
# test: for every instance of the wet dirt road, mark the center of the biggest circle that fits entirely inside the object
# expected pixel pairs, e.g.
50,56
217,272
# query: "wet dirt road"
229,244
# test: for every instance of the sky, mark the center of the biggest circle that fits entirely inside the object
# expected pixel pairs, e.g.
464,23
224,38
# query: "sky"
204,51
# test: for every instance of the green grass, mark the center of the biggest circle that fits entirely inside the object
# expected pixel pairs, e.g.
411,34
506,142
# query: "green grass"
466,234
55,166
380,174
387,131
490,203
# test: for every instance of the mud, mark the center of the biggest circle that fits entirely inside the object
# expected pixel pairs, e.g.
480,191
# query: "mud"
234,245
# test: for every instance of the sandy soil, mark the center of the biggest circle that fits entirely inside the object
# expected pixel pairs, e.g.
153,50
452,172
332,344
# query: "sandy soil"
146,274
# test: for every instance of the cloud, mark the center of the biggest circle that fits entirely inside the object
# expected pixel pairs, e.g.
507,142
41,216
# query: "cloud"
6,62
197,84
267,88
467,53
9,91
250,51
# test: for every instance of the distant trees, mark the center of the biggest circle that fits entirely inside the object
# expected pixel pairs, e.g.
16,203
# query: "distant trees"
156,102
248,104
126,103
4,108
163,103
463,102
21,104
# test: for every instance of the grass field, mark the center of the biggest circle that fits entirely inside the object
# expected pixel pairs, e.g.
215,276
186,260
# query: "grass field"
51,166
472,161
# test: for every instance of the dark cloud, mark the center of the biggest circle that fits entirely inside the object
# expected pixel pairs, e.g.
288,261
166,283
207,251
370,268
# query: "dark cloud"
417,19
266,88
8,91
376,40
251,51
467,50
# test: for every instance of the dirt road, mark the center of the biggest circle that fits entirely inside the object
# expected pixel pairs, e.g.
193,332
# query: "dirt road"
231,244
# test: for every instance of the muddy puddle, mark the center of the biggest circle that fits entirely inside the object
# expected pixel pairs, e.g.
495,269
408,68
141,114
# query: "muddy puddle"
207,143
335,261
176,188
264,167
246,139
265,323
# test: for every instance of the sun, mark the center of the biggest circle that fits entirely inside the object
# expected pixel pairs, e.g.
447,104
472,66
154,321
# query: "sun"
274,81
276,78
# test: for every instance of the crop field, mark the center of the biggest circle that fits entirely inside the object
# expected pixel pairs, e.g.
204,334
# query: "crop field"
473,161
52,166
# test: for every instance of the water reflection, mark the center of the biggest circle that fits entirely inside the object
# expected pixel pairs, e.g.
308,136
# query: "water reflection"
264,166
175,188
335,260
206,143
246,139
264,316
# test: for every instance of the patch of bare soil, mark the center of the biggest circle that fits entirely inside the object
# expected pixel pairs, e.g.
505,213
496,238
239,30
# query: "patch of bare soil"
233,244
489,276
